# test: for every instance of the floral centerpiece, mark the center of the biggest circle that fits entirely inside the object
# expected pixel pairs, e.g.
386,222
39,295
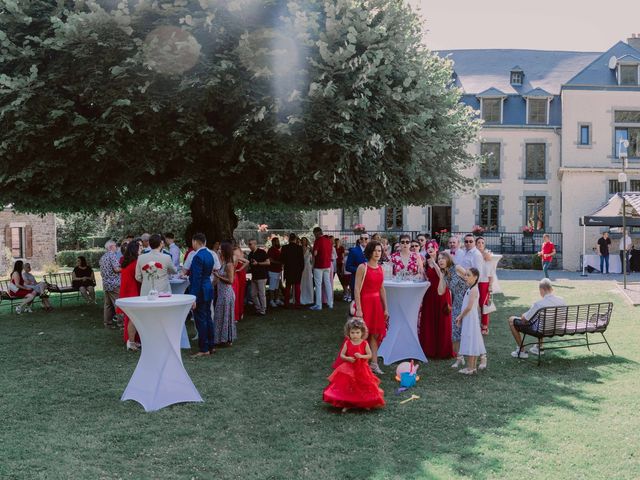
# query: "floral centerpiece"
527,231
477,230
359,228
152,272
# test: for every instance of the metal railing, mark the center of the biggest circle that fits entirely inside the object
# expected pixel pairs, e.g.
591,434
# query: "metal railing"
497,242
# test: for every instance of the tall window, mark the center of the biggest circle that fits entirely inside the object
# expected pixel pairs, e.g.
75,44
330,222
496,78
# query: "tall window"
585,135
393,218
350,217
17,242
615,187
489,208
628,74
537,111
635,185
535,161
492,110
536,212
628,132
490,169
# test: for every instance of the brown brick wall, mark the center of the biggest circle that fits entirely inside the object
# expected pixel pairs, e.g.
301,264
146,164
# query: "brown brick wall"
43,237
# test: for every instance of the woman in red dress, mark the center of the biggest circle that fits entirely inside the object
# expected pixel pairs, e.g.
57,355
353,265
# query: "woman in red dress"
239,282
435,317
20,290
371,299
352,384
130,287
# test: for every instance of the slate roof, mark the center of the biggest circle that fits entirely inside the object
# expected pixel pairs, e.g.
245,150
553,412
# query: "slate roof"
479,70
491,92
598,71
538,92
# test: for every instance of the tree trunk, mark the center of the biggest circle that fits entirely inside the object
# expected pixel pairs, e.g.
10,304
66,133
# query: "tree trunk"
212,215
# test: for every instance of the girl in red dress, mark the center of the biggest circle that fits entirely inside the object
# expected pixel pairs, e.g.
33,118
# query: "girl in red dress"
371,299
352,384
130,287
239,282
435,317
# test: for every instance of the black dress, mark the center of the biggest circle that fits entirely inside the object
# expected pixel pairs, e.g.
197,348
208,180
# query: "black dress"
292,258
82,272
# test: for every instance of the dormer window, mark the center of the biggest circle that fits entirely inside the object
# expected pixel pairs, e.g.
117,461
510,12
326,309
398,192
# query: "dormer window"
628,74
517,76
491,105
538,106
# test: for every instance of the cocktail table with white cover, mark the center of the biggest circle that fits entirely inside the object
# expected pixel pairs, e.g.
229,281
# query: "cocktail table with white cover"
178,287
159,379
401,342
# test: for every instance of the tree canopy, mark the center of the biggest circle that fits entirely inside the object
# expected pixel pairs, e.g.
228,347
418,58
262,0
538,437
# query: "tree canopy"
227,104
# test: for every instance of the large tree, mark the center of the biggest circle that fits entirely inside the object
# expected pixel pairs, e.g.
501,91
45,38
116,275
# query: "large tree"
226,104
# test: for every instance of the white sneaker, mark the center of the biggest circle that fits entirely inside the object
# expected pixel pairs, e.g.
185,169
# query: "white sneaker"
280,303
273,304
534,350
18,310
523,354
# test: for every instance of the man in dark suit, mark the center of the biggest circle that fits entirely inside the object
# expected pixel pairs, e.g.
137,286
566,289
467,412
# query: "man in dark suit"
200,286
355,259
292,258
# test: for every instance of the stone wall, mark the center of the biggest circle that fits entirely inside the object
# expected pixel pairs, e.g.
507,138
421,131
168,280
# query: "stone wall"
38,238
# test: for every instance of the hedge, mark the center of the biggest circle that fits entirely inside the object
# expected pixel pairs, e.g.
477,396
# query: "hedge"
68,258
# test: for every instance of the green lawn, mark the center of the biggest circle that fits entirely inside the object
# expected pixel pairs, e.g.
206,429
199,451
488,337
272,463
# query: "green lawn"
62,375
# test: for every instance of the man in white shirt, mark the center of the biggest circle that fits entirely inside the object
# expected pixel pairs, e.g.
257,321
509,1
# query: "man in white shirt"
469,256
174,250
454,247
548,300
623,257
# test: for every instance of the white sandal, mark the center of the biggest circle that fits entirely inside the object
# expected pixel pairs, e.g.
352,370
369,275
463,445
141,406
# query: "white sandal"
459,362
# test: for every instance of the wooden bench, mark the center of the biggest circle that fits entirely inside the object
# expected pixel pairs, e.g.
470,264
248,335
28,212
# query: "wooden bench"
571,320
6,297
62,284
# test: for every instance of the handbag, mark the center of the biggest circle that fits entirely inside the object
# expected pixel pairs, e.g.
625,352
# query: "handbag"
490,307
352,305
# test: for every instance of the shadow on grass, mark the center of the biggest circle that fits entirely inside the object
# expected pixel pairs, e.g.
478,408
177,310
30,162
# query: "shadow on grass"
263,415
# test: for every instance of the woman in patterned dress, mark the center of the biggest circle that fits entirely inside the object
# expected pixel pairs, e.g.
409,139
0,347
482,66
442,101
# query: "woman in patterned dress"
406,260
224,313
458,287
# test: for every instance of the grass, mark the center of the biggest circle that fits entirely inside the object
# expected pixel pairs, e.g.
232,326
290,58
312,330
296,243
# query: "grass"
62,375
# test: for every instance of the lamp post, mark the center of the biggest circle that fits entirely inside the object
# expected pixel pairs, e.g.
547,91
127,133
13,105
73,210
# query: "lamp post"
623,145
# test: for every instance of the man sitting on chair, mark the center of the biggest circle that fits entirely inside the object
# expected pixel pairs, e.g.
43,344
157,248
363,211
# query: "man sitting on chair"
548,300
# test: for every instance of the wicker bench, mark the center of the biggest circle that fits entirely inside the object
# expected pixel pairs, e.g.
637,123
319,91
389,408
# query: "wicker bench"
571,320
62,284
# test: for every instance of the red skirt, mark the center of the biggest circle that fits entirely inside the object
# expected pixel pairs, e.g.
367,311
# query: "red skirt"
353,385
239,288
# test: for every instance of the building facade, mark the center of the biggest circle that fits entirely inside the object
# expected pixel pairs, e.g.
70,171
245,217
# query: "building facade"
27,237
553,126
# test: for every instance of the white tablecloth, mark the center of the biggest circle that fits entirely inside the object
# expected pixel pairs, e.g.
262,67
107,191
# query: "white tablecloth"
495,285
178,287
159,379
401,342
614,262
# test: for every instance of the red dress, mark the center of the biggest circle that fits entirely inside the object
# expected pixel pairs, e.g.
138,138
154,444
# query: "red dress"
239,288
353,384
129,287
21,293
435,320
372,312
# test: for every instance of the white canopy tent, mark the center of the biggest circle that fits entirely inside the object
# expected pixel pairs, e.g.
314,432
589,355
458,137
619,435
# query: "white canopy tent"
611,215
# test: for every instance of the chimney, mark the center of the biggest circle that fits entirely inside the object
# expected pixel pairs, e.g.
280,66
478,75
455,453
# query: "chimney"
634,41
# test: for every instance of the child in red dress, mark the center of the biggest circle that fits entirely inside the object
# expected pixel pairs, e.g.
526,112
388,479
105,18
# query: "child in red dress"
352,384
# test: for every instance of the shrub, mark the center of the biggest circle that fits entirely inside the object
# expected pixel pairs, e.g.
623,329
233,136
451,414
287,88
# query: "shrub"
68,258
51,268
536,262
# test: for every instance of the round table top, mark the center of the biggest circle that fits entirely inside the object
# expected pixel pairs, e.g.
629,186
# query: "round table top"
178,280
159,302
405,284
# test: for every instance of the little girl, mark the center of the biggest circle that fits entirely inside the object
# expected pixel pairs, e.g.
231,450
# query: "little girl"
352,384
471,342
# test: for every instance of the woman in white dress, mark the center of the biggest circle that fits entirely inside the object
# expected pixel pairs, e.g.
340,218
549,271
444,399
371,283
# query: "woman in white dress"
306,285
471,342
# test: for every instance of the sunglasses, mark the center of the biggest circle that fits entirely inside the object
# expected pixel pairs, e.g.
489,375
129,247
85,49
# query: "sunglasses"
415,246
469,241
405,242
364,238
